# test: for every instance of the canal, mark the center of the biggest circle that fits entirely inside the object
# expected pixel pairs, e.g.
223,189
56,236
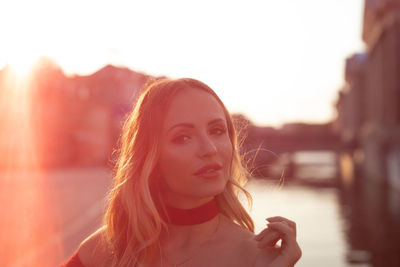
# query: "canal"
339,225
317,214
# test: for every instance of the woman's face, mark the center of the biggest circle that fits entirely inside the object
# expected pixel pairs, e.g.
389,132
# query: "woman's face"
196,150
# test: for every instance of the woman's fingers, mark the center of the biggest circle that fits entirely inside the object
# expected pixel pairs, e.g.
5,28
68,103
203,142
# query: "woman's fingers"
270,236
290,250
284,229
292,224
261,234
280,228
267,237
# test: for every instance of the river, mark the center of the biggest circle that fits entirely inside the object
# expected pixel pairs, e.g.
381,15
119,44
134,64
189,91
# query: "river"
316,211
339,225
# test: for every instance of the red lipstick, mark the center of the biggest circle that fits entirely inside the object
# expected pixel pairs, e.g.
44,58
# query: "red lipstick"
209,171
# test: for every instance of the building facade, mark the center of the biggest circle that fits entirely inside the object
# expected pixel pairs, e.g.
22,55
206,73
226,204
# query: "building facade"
369,104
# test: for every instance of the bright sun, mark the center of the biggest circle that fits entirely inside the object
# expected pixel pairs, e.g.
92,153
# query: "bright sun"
22,64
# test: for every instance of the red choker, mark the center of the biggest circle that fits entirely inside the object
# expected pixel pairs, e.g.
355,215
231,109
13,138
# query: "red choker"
193,216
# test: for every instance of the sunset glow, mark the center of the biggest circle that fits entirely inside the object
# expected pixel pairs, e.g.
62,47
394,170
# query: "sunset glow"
26,221
22,65
273,61
285,57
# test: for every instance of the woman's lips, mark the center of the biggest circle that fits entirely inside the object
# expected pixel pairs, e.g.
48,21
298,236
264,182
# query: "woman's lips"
209,171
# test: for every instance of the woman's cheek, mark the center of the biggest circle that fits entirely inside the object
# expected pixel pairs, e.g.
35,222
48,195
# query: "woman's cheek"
175,163
226,150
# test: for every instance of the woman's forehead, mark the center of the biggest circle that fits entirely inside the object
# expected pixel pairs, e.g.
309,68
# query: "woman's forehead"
193,106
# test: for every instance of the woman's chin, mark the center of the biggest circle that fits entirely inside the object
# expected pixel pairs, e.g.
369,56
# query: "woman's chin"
213,192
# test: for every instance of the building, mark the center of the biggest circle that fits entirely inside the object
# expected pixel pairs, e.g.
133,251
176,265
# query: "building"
369,105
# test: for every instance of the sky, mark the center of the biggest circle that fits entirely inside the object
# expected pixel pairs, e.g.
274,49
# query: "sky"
273,61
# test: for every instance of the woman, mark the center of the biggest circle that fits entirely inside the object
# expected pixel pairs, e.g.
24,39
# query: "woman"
175,198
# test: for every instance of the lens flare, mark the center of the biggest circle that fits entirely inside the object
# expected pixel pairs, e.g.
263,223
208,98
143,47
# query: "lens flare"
21,67
27,220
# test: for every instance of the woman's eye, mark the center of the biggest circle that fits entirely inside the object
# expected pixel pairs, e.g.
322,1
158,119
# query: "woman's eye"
180,139
218,131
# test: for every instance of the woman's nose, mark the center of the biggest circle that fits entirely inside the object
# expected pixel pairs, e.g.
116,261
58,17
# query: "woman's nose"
207,147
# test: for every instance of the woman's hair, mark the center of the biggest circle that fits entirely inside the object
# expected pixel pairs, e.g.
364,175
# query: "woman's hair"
133,222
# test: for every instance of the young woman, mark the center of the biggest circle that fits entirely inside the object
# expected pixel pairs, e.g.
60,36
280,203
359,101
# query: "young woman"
175,198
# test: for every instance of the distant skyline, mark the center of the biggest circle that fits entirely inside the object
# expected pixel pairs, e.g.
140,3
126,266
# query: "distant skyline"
273,61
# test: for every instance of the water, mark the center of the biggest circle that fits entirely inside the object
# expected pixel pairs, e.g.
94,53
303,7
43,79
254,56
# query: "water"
319,165
316,213
333,225
356,223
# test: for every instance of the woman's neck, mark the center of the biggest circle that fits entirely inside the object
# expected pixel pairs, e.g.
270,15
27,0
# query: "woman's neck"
192,216
183,202
187,236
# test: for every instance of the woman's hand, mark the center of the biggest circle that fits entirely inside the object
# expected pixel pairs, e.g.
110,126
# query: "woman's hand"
279,228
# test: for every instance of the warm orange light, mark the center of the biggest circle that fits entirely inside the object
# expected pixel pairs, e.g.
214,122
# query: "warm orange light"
21,65
27,218
347,169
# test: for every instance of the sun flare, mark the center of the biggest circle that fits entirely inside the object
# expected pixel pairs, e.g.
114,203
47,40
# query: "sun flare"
22,65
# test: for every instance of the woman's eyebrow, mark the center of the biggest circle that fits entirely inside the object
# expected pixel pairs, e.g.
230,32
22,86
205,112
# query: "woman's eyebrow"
183,124
216,120
190,125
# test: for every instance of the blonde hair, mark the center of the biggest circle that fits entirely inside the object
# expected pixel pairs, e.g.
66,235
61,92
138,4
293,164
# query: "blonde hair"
133,222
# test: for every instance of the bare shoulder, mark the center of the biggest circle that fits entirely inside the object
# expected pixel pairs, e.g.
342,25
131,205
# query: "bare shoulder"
265,256
93,251
244,248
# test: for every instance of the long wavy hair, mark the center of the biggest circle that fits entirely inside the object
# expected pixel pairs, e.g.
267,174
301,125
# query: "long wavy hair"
132,221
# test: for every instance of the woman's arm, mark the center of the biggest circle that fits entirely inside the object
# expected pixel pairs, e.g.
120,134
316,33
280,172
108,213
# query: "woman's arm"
279,228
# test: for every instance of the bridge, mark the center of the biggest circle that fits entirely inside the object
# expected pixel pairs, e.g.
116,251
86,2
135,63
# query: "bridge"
264,149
